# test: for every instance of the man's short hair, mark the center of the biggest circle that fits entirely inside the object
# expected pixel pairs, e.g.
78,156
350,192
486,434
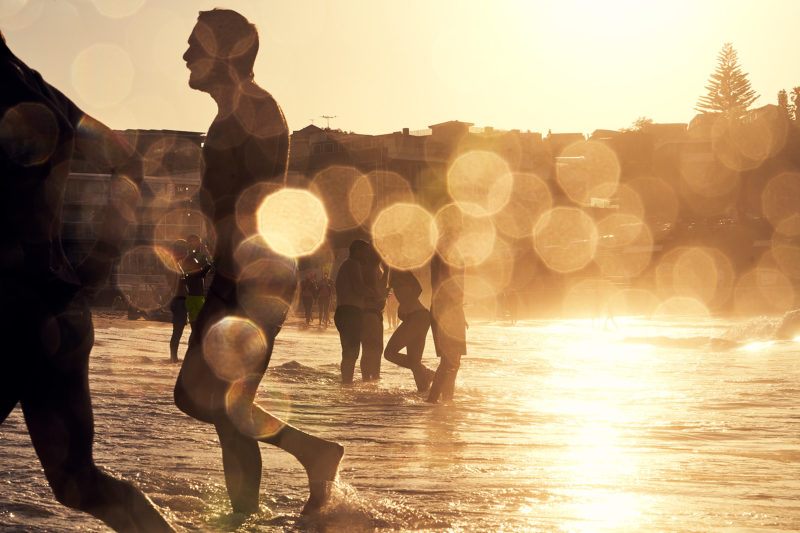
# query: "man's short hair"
230,38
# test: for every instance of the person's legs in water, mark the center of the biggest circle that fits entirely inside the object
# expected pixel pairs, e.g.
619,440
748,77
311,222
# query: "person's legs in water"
348,322
58,413
323,303
241,424
178,308
371,345
411,334
444,381
308,303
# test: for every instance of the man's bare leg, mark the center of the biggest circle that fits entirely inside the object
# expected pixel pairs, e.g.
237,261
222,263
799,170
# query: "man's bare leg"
246,423
58,414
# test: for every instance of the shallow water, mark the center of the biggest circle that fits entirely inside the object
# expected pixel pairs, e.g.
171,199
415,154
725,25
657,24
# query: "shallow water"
557,426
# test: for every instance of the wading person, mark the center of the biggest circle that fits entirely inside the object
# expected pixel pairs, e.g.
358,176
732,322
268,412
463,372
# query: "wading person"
195,266
177,305
324,294
350,295
45,320
375,278
448,326
413,328
247,143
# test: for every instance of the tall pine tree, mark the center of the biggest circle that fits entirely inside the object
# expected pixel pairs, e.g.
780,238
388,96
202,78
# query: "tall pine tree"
728,88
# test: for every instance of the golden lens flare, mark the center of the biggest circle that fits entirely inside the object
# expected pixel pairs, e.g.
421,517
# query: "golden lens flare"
763,290
530,197
659,204
625,246
266,283
464,240
629,202
28,134
347,196
248,203
633,302
179,224
780,203
251,421
164,156
102,74
704,177
701,273
588,171
382,189
142,278
745,144
497,268
589,298
293,222
480,182
405,236
683,306
235,349
565,239
124,196
447,307
117,9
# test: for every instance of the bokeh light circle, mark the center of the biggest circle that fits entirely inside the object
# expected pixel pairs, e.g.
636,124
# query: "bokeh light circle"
588,170
346,205
480,182
102,74
266,283
235,348
142,278
465,240
763,290
29,134
565,238
379,190
780,202
248,203
625,245
117,9
404,235
530,197
293,222
256,423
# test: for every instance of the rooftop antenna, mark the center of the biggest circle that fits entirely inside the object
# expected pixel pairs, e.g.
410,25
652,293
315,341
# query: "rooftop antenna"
328,118
312,121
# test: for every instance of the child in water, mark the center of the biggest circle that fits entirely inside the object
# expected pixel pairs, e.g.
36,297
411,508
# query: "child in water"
413,329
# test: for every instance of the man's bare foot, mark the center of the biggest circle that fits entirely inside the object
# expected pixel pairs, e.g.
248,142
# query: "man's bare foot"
322,473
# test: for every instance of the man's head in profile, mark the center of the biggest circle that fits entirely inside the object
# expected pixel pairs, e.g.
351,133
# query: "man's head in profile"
222,49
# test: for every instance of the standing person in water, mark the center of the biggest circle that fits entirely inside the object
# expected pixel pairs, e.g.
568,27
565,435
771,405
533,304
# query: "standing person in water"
448,325
413,329
375,278
177,305
308,291
351,291
45,321
195,266
247,143
391,309
324,293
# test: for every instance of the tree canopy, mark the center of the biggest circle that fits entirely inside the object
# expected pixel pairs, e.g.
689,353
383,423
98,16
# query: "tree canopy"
729,90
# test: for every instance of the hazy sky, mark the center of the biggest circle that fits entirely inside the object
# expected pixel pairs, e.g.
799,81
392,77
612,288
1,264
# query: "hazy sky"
379,66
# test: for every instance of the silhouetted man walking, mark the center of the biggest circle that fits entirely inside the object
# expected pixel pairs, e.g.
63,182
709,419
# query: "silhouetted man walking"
247,144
